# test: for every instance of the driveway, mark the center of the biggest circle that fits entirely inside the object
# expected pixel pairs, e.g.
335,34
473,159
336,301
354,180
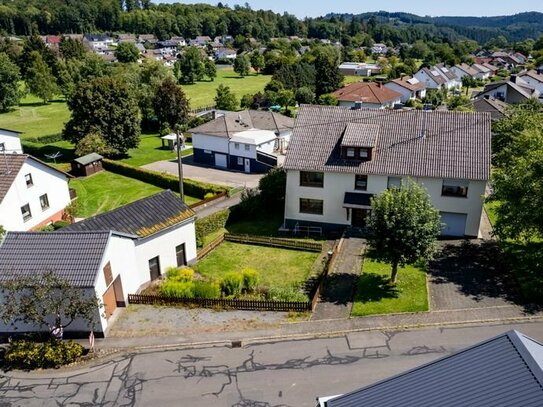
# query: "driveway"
202,173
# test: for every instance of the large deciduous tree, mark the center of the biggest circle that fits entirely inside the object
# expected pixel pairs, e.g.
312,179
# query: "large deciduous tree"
9,83
225,99
170,104
329,78
403,226
190,68
107,106
242,65
40,79
127,52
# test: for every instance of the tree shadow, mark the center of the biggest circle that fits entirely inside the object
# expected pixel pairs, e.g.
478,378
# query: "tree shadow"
338,288
374,287
42,151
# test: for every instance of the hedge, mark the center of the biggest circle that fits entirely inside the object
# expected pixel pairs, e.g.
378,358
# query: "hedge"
209,224
162,180
52,138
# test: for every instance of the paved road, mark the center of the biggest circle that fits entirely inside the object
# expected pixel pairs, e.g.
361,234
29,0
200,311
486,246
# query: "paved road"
263,375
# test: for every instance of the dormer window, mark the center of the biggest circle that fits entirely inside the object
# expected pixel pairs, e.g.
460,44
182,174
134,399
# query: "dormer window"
364,153
350,152
359,141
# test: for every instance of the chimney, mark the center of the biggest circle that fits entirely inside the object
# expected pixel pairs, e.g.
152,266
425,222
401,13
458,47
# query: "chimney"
513,78
213,114
380,85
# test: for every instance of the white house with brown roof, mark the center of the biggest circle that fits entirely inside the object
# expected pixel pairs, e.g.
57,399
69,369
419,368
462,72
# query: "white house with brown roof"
367,95
438,77
533,79
339,158
10,142
409,87
32,193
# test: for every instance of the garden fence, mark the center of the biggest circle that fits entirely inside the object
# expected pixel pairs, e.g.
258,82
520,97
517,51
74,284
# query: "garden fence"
274,242
210,247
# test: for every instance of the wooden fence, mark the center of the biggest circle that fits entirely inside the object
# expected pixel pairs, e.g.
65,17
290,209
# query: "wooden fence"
330,261
274,242
210,247
208,200
254,305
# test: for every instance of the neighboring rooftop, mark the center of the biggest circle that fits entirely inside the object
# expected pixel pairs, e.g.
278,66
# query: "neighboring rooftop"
89,158
235,122
504,371
74,256
415,143
360,135
366,92
141,218
491,105
410,83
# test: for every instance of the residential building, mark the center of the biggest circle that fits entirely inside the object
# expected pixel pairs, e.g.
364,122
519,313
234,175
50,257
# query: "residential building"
431,78
98,42
488,104
131,38
461,70
409,87
360,69
32,193
180,41
503,371
451,80
367,94
483,72
200,41
493,69
225,53
10,142
534,80
339,158
147,38
513,91
379,48
249,141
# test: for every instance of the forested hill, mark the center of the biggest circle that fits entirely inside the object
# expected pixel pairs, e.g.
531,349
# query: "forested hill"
516,27
26,17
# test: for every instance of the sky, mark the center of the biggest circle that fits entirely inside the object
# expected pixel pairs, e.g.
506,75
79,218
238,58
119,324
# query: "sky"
314,8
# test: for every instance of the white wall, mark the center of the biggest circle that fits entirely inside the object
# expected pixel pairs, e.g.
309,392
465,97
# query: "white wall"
12,142
347,104
46,181
423,77
406,93
458,72
336,184
212,143
532,82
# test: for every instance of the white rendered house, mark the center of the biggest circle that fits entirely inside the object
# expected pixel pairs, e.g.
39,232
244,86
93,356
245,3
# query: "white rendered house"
10,142
409,87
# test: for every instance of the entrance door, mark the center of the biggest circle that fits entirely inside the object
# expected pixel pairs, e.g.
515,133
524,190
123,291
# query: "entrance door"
359,217
181,256
110,303
454,224
154,268
220,160
118,289
247,165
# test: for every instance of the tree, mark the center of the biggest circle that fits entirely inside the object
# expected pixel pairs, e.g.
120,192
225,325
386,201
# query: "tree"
272,188
71,49
327,71
46,300
242,65
403,226
127,52
108,106
327,100
225,99
170,104
246,101
468,82
40,79
305,95
9,83
92,143
190,68
257,61
2,232
285,98
210,69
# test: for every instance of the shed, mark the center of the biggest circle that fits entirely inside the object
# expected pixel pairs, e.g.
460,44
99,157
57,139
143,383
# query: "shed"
87,165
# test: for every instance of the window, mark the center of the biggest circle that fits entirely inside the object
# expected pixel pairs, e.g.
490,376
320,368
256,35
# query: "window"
363,153
240,160
28,180
108,274
236,146
25,211
456,188
311,179
311,206
361,182
2,146
247,147
44,202
349,152
180,255
394,182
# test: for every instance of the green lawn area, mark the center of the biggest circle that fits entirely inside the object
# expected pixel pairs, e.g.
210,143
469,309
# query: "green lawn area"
276,267
106,190
348,79
150,150
202,93
374,294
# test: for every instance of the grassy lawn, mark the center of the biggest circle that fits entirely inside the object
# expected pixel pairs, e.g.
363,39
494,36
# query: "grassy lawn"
261,226
106,190
202,93
276,267
150,150
490,208
374,295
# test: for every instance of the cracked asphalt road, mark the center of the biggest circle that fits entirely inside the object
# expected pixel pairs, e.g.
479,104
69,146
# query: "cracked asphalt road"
260,375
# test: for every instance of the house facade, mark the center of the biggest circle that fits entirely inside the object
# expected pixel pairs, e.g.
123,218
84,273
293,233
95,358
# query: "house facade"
514,91
10,142
438,77
367,95
532,78
32,193
409,87
362,152
250,141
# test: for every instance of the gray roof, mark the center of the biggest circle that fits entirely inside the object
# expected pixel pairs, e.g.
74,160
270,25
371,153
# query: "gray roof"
525,91
74,256
504,371
360,135
455,144
495,107
89,158
234,122
440,80
141,218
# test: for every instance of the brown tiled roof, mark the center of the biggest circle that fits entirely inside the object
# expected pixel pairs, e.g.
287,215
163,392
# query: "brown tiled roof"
360,135
490,67
493,106
446,71
404,83
410,143
467,69
366,92
440,80
234,122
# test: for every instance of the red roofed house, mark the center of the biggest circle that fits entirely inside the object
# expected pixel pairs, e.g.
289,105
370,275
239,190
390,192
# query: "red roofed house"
367,94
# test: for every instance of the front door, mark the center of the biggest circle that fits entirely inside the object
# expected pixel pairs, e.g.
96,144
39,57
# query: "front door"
247,165
154,268
181,256
118,289
359,217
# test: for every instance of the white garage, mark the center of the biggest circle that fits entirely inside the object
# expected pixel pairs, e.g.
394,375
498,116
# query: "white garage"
454,223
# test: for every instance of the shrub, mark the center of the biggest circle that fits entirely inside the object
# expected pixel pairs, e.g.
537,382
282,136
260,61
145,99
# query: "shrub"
53,138
204,289
47,228
178,289
232,283
28,355
209,195
183,275
286,294
210,224
250,279
59,224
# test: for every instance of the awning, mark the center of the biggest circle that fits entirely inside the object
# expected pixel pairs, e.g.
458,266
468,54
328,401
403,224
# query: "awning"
357,200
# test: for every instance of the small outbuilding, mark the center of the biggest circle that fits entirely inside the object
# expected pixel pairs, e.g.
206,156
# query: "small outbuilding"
87,165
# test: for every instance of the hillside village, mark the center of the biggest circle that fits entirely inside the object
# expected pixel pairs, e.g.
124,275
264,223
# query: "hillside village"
341,175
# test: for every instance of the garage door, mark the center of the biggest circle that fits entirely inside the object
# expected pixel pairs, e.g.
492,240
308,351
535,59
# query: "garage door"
220,160
455,223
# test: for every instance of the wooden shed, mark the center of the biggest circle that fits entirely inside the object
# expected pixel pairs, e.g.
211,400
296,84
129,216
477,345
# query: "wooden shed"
87,165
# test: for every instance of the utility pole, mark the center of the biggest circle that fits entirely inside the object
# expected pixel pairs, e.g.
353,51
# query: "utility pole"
180,164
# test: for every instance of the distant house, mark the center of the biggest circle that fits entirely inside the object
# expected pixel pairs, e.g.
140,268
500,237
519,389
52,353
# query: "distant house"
52,41
200,41
534,80
248,141
180,41
131,38
10,142
461,70
32,193
367,94
379,49
360,69
225,53
513,91
409,87
147,38
98,42
503,371
482,71
493,69
488,104
87,165
438,77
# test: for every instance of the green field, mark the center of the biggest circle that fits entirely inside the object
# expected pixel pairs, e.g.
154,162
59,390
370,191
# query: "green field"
375,295
105,191
150,150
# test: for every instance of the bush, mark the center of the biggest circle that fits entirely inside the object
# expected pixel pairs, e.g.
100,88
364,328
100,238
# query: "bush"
250,279
232,283
177,289
166,181
28,355
47,228
204,289
210,224
53,138
209,195
286,294
183,275
59,224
